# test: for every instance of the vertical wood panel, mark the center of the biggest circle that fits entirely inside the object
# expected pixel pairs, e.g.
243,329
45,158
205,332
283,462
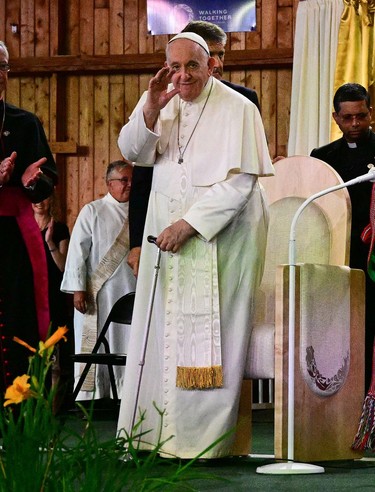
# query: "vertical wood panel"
131,26
42,102
116,115
28,38
268,99
101,104
101,133
284,83
71,45
53,97
72,176
41,32
253,80
237,42
116,82
160,43
254,38
143,83
269,22
86,30
285,27
131,94
58,108
268,78
116,27
101,27
56,20
12,13
86,140
27,94
13,90
2,21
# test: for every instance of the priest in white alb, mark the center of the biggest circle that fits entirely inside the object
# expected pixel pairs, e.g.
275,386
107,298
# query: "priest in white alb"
207,210
97,275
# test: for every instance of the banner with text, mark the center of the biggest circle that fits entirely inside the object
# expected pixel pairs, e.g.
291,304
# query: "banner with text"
170,17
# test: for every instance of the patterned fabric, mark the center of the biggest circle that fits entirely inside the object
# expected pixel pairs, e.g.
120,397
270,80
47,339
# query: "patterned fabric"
365,437
368,237
325,327
107,266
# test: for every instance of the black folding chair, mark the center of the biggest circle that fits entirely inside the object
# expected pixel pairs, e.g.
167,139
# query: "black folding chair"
120,313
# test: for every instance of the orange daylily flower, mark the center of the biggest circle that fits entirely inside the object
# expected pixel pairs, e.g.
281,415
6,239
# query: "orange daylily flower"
21,342
19,391
54,338
50,342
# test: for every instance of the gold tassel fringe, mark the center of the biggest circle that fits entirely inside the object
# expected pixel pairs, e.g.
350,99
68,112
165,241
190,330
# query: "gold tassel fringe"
199,377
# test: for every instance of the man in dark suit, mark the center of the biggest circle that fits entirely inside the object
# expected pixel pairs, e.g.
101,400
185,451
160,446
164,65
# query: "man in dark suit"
142,176
216,39
350,156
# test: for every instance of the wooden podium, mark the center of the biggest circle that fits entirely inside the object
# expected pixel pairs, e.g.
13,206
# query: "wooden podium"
325,425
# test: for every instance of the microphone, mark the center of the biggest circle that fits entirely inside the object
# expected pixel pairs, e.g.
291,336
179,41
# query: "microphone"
370,176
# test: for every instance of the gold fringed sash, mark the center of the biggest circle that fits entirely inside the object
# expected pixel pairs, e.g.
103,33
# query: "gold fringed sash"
107,266
197,321
199,377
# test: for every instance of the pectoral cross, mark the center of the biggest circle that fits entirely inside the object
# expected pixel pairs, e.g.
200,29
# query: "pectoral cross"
180,159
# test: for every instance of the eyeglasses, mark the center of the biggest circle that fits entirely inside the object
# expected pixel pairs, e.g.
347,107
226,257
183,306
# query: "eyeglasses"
123,180
348,118
4,67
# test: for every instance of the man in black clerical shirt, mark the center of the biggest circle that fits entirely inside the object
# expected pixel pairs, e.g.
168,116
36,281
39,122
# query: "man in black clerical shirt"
350,156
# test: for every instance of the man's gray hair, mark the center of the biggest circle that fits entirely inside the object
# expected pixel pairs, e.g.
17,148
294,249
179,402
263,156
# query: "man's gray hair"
210,32
114,166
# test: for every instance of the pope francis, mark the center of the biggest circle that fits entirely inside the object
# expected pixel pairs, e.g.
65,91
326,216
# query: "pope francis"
207,209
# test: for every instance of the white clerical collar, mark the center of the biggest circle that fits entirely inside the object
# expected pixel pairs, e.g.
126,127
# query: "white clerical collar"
108,197
352,145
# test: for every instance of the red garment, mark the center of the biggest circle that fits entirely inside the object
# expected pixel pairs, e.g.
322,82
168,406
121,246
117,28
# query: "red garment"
14,203
368,237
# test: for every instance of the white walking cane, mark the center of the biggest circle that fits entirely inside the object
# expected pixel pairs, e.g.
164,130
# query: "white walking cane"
150,239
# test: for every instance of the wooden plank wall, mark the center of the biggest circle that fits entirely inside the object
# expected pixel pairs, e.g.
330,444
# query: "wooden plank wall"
78,65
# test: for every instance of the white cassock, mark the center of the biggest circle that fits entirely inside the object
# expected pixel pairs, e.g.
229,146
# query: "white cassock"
95,230
204,296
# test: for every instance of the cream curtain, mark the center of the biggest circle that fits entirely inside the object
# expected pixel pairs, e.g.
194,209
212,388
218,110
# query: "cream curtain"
355,52
315,48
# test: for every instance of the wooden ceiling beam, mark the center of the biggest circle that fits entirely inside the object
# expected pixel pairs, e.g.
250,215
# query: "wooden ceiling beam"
142,63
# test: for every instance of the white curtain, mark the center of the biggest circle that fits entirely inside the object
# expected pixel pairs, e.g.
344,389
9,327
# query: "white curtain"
315,47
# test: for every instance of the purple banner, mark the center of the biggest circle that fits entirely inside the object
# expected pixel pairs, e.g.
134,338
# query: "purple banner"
170,16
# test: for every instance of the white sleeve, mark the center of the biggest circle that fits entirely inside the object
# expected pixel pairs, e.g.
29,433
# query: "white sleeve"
136,142
75,273
222,202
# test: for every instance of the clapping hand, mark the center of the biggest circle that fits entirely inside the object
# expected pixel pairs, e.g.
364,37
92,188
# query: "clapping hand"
49,231
33,173
6,168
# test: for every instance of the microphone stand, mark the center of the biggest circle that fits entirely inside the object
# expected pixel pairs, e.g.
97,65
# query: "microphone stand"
292,467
